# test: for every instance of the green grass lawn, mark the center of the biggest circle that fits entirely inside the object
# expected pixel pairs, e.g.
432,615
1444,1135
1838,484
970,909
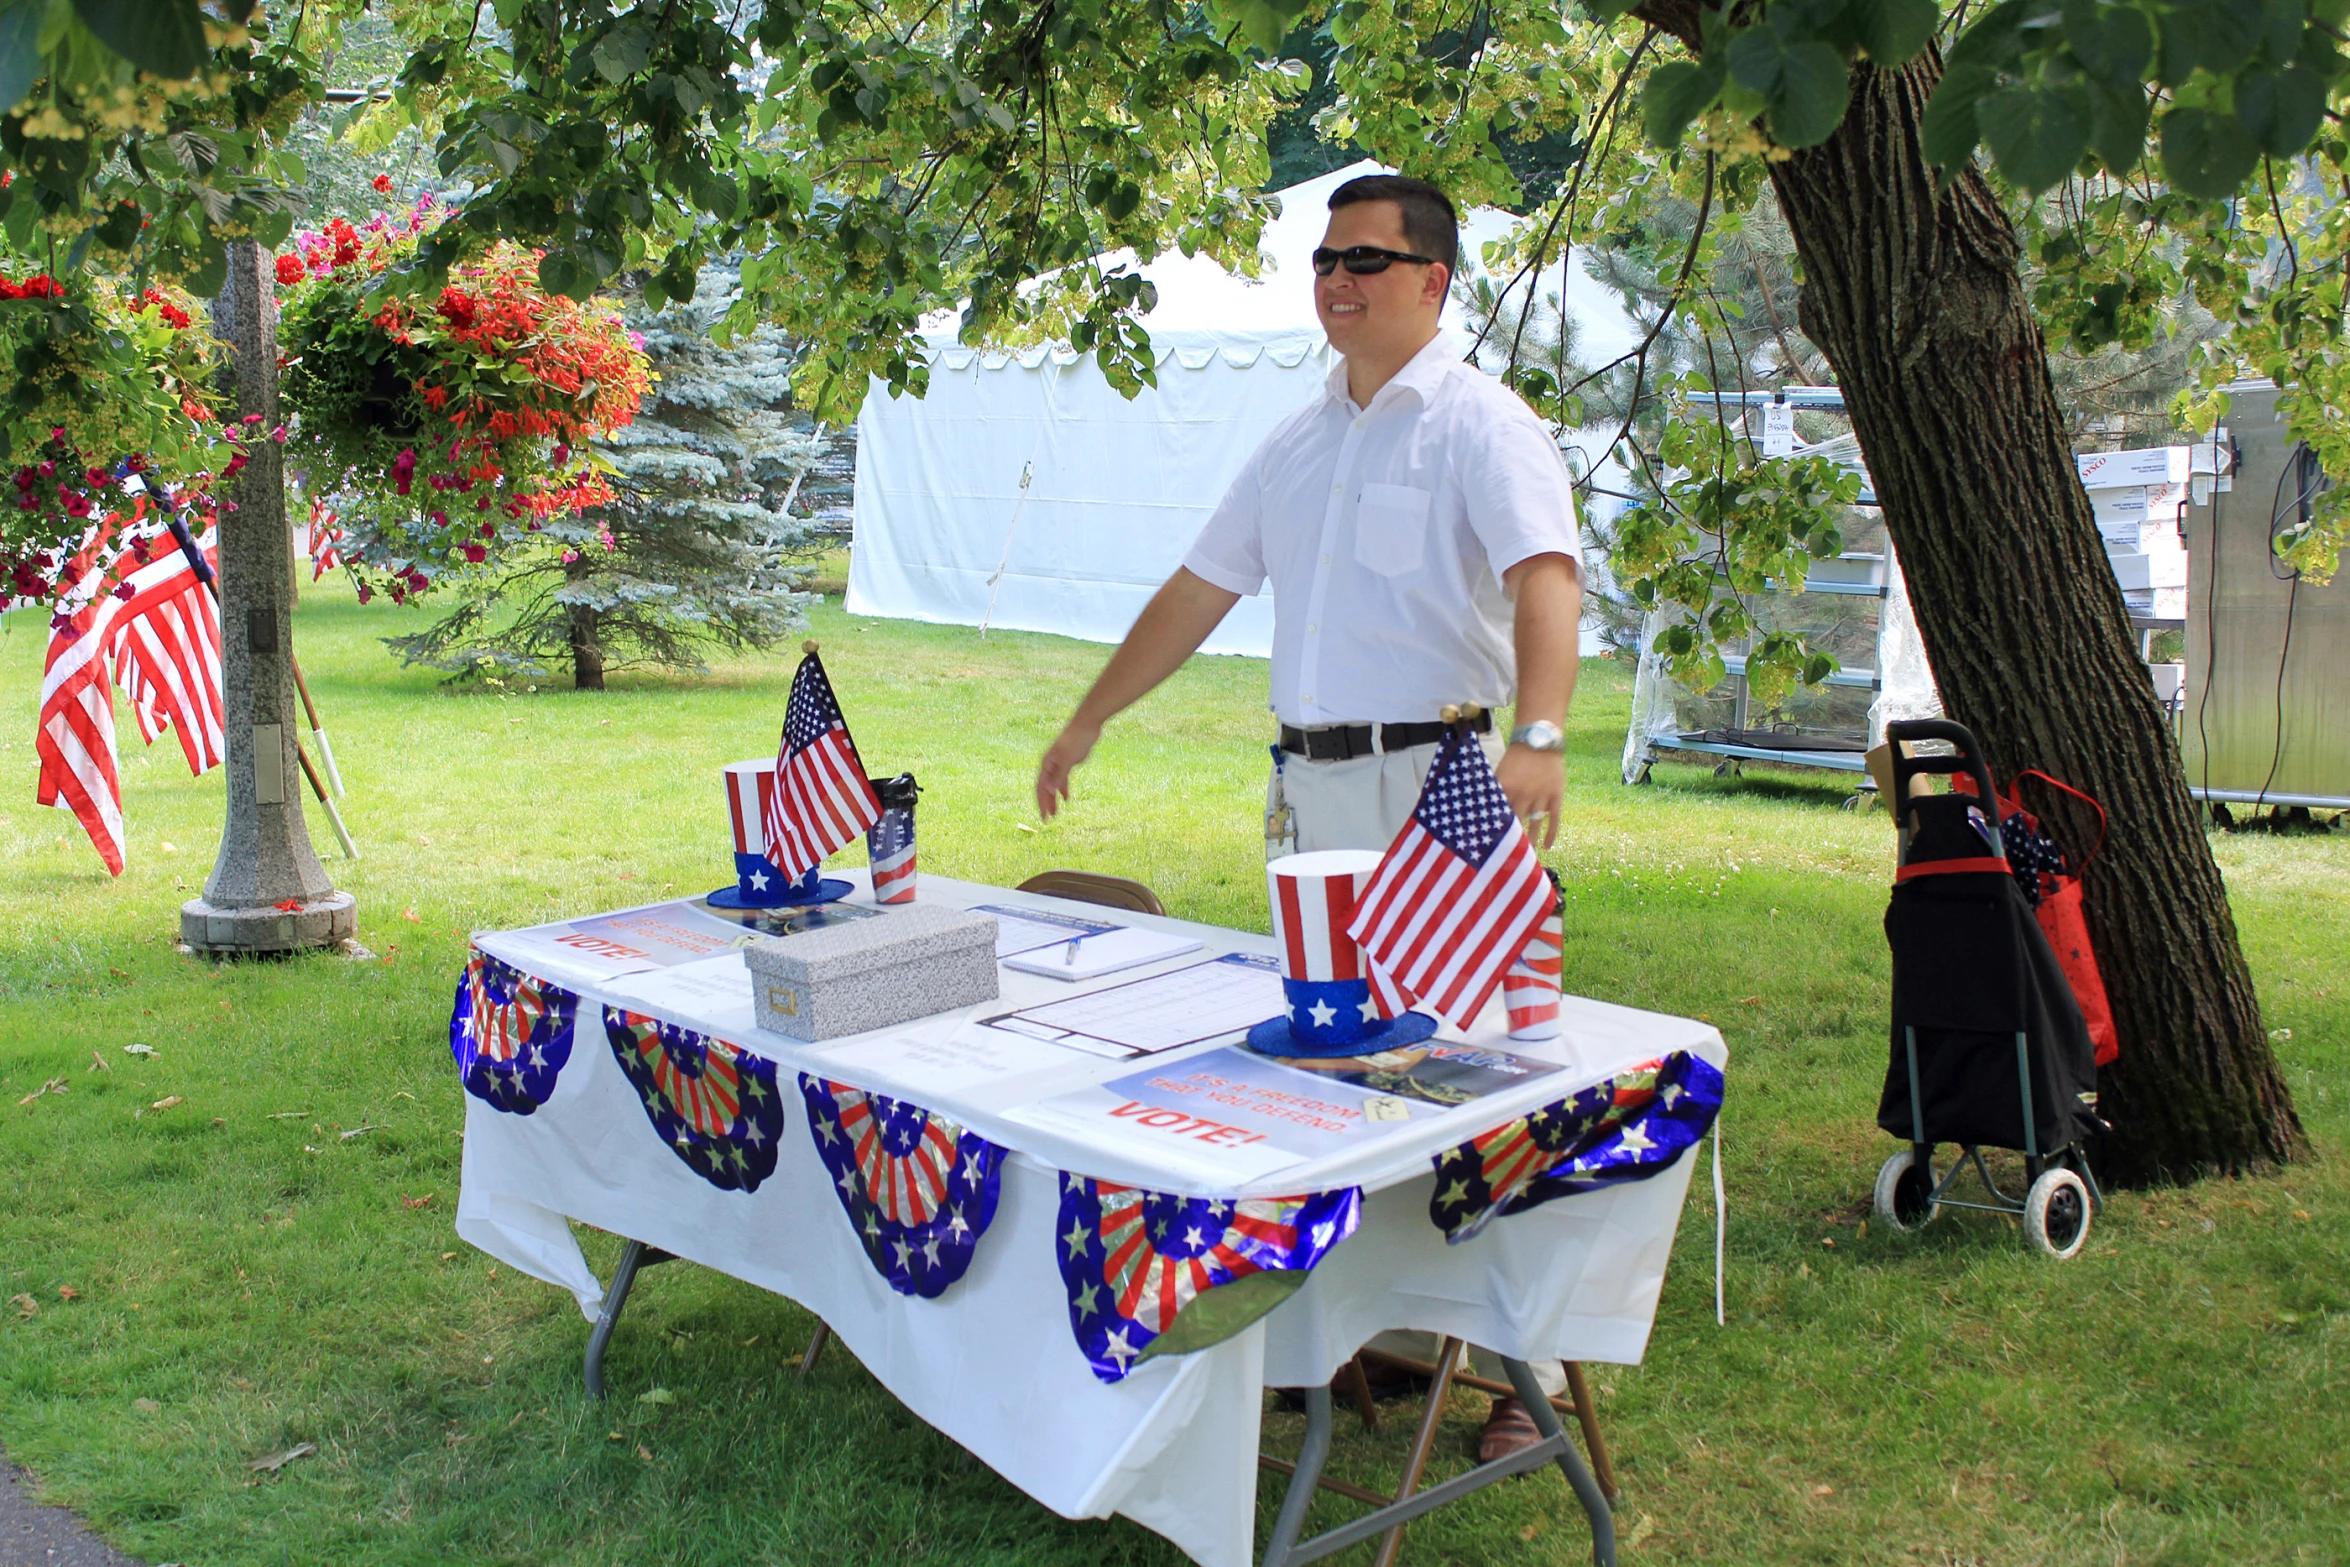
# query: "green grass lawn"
234,1275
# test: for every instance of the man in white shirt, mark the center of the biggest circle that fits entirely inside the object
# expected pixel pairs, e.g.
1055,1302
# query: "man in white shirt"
1418,527
1419,530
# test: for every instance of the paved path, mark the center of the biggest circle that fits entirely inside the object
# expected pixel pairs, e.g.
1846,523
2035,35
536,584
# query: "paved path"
33,1536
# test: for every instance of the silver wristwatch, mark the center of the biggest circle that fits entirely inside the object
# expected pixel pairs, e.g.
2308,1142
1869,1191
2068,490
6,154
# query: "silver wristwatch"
1540,735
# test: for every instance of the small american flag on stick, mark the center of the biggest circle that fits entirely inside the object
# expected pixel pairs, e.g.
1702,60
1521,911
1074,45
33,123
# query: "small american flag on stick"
822,799
1460,891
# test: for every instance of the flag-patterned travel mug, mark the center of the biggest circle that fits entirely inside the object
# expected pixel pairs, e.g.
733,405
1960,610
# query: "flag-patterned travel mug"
1530,988
889,842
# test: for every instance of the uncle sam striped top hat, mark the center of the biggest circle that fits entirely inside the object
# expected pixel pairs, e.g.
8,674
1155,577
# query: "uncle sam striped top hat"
758,884
1334,1009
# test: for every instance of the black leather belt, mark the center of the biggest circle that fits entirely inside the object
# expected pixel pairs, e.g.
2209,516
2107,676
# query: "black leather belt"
1343,742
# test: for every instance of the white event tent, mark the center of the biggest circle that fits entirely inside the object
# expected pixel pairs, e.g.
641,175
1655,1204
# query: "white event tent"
1024,492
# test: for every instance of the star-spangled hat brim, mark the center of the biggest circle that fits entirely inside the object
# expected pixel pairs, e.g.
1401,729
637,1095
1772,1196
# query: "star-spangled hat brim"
1276,1036
828,889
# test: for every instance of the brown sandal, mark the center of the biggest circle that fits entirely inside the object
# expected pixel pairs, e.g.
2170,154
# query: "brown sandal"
1509,1429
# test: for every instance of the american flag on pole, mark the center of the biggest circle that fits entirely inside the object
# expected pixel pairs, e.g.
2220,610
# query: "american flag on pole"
75,740
164,644
822,798
1459,893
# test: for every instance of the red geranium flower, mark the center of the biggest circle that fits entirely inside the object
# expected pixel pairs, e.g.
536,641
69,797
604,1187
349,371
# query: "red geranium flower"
289,270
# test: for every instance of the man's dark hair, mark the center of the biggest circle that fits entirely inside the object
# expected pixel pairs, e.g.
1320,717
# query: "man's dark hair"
1429,222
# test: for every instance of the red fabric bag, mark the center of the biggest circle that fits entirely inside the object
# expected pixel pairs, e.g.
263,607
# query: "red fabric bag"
2067,927
2061,918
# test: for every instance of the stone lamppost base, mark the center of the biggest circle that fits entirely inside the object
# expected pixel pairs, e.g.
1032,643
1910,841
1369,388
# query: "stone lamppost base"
321,922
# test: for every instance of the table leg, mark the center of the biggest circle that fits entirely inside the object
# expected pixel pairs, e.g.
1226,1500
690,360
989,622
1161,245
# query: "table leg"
1593,1443
1359,1383
1546,1420
635,1255
1311,1456
1448,1359
816,1342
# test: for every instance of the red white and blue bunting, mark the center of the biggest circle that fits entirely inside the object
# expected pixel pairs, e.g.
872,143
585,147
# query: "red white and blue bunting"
1135,1260
918,1189
1627,1128
715,1104
511,1034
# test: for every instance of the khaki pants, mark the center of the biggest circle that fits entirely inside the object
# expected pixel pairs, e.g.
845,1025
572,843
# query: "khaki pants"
1362,803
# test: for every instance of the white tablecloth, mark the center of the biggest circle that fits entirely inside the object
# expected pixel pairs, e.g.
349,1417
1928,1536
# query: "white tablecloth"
992,1361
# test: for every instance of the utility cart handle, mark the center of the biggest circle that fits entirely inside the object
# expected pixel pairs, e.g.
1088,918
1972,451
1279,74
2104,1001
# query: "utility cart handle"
1969,760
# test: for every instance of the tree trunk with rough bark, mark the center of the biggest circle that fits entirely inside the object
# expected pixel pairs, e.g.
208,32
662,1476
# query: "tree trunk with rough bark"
587,653
1915,296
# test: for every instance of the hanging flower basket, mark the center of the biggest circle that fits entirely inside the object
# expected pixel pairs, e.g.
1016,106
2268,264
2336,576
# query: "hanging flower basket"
447,429
106,396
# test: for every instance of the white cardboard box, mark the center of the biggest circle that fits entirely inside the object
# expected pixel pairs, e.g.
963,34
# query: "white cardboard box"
2150,569
2143,465
2159,603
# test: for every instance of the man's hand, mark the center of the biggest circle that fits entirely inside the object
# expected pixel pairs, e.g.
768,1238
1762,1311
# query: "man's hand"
1062,758
1169,630
1536,783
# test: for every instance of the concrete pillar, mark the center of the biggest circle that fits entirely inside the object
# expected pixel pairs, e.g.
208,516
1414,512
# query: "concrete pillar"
265,855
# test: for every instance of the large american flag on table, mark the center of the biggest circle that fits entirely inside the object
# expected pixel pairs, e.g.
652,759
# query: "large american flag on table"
1451,906
822,798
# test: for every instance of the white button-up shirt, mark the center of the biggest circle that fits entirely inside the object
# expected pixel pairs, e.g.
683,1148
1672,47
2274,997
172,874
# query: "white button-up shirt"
1385,531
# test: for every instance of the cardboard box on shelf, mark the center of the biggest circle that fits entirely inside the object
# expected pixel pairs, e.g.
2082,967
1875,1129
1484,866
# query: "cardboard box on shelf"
2142,569
2144,465
2157,603
2130,538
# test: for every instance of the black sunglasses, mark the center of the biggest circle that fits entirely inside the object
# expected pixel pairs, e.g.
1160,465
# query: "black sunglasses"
1362,260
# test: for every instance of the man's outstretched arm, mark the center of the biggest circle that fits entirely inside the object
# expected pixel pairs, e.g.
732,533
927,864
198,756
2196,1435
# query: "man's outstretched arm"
1548,590
1169,630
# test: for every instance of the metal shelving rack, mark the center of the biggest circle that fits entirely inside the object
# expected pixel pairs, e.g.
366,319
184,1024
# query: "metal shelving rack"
1856,573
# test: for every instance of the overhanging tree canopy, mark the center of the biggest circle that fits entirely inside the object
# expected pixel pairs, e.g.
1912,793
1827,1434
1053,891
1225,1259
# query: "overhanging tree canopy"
875,160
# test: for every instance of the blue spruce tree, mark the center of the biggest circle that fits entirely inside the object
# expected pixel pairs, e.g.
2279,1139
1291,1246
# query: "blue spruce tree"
706,542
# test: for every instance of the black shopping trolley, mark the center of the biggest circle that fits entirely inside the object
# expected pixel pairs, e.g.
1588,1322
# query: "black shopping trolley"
1989,1049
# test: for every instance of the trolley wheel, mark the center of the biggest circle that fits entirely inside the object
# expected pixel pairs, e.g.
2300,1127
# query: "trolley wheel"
2056,1214
1905,1192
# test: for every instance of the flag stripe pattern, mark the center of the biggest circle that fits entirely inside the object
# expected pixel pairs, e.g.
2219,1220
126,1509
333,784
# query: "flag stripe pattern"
749,788
74,741
1530,989
164,644
1459,892
822,798
1624,1128
889,845
1310,915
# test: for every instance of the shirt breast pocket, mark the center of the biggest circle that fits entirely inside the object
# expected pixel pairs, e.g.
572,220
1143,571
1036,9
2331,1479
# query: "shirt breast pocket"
1391,528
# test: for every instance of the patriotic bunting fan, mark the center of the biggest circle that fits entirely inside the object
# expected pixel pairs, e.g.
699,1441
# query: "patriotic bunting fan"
822,798
918,1189
715,1104
1135,1261
511,1034
1627,1128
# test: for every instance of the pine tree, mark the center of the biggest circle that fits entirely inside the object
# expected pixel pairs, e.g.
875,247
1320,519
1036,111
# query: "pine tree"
705,545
